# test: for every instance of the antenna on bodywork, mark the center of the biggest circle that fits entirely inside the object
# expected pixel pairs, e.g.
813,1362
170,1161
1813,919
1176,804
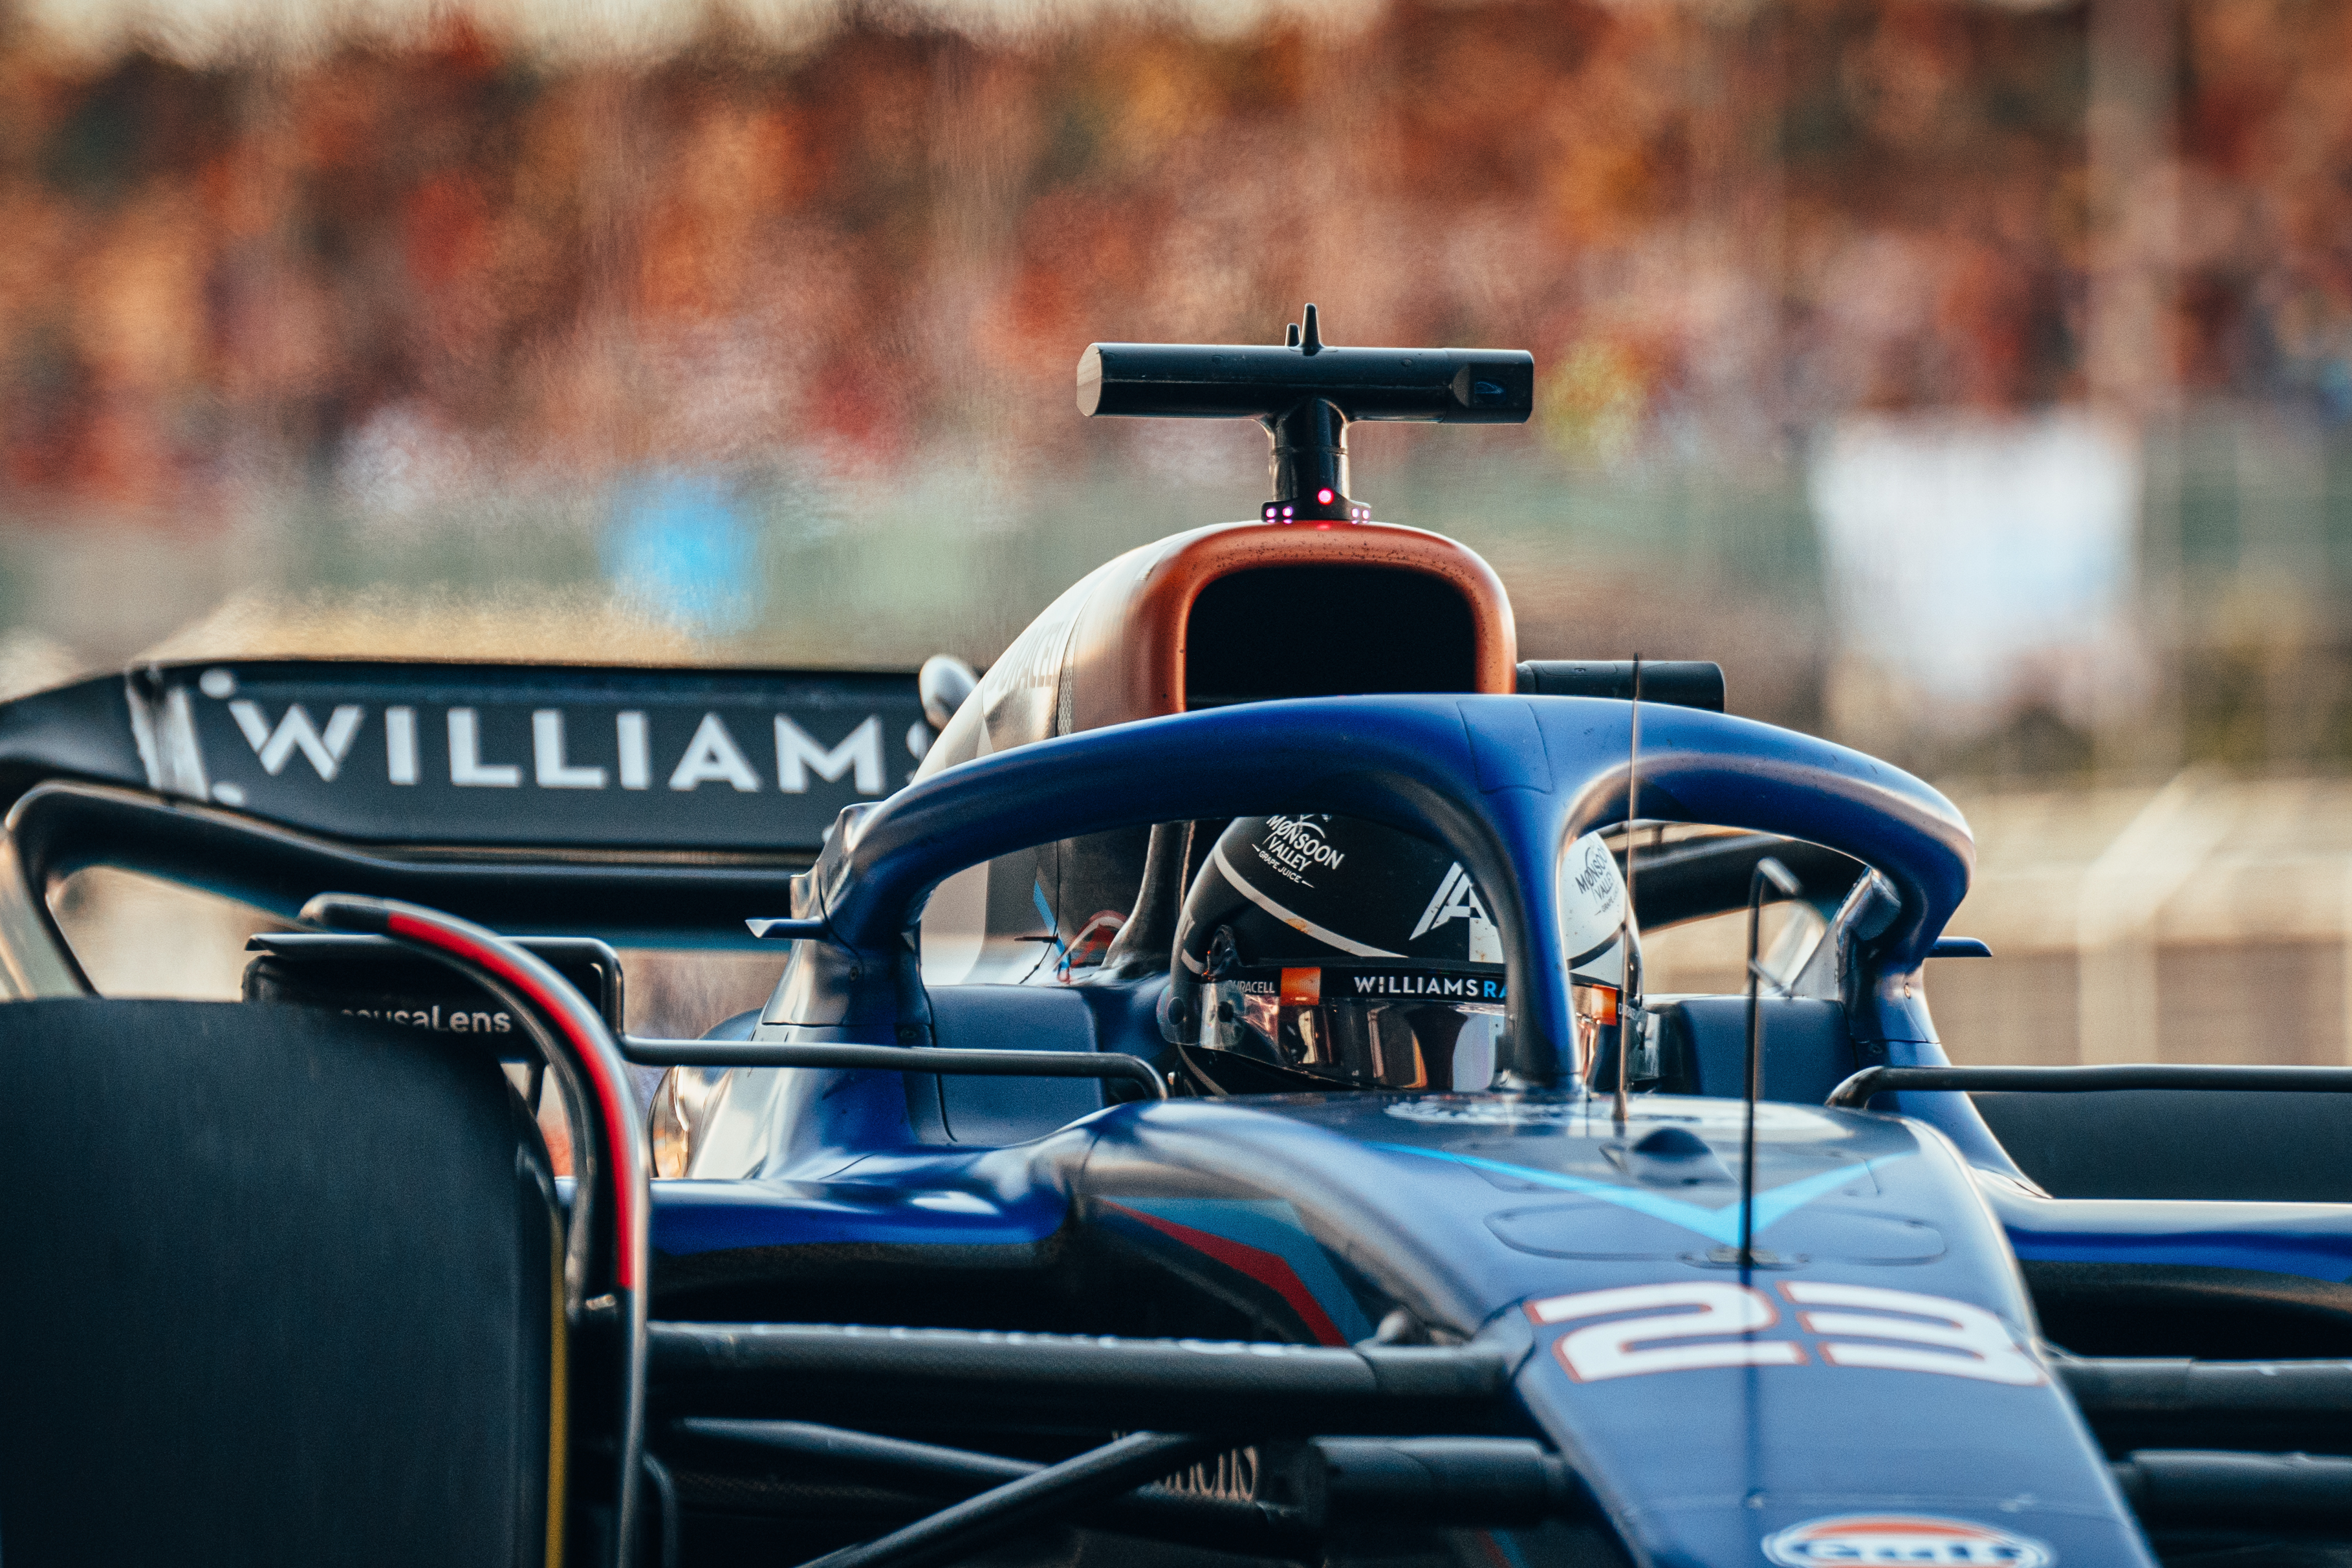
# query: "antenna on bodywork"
1767,870
1630,982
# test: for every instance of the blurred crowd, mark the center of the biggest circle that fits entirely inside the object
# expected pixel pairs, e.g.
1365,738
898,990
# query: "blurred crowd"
1973,379
1980,374
395,266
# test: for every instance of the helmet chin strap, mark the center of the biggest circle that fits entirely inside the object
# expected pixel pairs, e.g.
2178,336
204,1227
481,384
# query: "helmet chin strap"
1199,1075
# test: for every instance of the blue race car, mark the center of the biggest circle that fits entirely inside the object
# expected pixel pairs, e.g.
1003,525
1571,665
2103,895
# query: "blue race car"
1211,1109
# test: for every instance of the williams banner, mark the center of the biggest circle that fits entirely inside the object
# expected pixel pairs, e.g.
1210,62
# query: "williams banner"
465,756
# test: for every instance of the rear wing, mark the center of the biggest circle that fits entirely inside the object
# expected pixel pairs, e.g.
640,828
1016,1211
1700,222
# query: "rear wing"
519,759
655,807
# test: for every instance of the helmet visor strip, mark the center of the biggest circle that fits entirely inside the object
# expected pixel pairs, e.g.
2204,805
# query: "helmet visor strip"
1386,1026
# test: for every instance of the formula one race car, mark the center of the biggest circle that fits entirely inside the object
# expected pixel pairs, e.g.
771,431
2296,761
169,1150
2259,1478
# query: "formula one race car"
1210,1110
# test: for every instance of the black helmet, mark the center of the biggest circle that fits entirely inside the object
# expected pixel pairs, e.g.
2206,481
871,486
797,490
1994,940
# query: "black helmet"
1324,952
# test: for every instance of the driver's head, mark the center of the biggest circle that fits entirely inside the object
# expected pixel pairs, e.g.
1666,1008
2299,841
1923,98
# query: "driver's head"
1322,951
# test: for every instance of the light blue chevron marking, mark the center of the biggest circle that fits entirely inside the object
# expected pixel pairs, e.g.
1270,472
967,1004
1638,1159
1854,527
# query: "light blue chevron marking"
1045,913
1720,1226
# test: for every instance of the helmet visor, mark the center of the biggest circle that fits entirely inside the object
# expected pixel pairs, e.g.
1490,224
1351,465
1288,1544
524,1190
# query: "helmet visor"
1405,1029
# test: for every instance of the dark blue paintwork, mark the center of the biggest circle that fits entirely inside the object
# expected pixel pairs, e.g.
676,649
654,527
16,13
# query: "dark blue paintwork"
1465,1209
1325,1213
951,1201
2312,1241
1506,1215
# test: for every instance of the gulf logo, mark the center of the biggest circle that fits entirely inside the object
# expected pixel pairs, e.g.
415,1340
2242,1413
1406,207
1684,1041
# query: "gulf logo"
1909,1540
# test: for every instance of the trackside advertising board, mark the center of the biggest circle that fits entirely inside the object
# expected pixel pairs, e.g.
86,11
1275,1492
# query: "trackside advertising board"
491,755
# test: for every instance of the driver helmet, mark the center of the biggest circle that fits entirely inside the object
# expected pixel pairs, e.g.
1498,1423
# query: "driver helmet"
1319,952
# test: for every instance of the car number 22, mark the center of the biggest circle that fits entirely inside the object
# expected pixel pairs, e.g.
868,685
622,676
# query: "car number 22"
1642,1329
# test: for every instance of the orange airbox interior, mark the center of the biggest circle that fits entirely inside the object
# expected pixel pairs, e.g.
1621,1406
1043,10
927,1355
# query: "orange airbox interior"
1249,612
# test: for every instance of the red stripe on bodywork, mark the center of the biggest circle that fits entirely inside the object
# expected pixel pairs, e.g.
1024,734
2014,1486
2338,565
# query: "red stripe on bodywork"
608,1093
1267,1268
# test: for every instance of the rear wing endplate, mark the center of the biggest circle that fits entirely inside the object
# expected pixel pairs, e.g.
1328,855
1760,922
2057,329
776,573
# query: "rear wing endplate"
515,758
